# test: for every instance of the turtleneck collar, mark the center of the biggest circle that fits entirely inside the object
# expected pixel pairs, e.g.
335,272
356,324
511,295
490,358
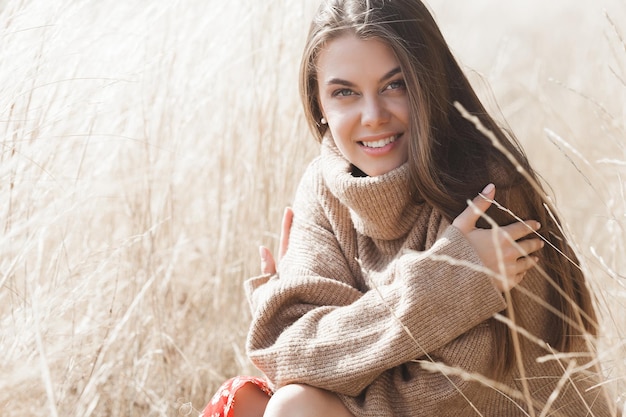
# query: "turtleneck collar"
380,206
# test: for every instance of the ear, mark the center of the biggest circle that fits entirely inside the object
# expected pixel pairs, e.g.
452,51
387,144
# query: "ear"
322,122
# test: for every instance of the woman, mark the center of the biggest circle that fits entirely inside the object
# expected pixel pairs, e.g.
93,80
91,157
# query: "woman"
395,298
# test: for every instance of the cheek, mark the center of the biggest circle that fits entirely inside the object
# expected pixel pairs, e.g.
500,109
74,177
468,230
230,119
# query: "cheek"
339,133
401,111
341,121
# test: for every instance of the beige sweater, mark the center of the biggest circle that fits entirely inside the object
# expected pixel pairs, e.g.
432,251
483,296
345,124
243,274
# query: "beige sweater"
377,296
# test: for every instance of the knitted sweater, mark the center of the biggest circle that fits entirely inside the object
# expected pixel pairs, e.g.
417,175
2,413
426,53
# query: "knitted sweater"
385,303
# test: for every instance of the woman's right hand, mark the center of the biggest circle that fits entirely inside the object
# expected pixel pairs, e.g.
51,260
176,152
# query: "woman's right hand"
268,264
500,249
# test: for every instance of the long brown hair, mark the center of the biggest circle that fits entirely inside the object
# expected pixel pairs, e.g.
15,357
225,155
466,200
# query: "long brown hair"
450,160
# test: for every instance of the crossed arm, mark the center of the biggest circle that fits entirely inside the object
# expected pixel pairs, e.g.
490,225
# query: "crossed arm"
500,250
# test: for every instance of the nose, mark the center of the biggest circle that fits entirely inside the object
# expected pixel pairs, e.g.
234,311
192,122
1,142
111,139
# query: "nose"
374,112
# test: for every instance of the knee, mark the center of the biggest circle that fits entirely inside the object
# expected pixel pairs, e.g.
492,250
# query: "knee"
298,400
290,400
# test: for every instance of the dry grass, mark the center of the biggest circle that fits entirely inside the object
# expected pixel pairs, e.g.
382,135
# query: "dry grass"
147,149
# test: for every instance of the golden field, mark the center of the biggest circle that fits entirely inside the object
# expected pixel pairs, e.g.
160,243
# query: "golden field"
148,148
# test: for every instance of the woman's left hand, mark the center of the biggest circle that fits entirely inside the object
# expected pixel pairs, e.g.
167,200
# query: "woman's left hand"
507,251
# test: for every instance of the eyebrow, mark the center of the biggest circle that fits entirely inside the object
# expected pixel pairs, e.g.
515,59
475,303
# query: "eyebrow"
346,83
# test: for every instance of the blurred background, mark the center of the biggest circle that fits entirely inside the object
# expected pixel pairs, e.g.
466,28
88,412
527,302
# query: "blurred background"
148,148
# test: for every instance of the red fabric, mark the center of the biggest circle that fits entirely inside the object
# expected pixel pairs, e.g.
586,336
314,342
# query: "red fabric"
223,402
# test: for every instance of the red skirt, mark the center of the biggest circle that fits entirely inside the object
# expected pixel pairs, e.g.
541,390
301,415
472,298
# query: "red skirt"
223,402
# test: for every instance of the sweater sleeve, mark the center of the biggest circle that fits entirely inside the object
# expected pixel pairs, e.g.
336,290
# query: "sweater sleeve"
311,324
429,386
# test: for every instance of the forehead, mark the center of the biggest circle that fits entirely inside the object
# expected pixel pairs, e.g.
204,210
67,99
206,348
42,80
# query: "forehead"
348,57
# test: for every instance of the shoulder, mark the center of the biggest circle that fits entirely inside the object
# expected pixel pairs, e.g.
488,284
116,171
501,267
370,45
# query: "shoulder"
312,194
313,177
316,208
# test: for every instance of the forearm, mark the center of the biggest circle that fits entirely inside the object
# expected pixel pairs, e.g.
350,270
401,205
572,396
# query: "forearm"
432,385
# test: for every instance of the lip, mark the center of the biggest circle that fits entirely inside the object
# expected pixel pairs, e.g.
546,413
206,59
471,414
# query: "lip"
383,150
375,138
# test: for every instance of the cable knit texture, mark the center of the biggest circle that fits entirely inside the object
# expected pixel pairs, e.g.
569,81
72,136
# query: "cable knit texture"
377,297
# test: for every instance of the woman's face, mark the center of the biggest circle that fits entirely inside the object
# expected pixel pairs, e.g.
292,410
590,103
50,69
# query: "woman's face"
363,98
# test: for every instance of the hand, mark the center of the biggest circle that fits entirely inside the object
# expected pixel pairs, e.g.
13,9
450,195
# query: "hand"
500,248
268,265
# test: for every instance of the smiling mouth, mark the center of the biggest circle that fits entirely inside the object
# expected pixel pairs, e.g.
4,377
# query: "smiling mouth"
380,143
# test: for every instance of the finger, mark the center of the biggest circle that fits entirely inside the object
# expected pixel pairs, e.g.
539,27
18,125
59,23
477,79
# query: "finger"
512,281
525,264
520,229
466,221
268,266
528,246
285,231
514,274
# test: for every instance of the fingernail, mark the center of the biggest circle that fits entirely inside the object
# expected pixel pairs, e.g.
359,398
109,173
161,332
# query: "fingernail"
537,226
262,253
489,188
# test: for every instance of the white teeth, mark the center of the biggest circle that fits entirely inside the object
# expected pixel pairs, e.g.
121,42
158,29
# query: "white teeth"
380,143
